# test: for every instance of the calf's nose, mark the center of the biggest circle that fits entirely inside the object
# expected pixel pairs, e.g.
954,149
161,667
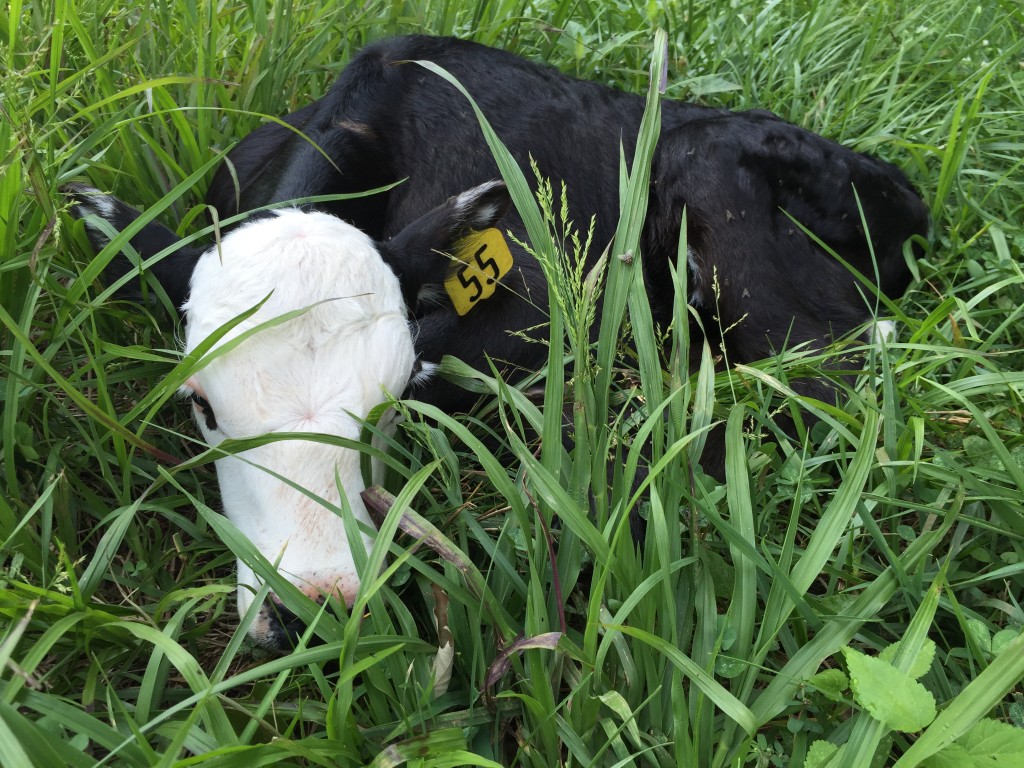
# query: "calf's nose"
284,628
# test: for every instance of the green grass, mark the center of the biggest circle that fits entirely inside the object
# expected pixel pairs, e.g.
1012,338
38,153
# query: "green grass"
717,642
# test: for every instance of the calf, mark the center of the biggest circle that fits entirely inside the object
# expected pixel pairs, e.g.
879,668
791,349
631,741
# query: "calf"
743,179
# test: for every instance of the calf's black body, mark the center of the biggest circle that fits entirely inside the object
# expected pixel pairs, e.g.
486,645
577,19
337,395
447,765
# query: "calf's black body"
744,179
749,183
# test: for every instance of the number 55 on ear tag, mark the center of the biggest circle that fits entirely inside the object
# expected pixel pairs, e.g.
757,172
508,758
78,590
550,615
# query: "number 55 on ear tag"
483,258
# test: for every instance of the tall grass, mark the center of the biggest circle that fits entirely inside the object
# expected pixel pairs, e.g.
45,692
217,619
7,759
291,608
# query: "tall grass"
719,639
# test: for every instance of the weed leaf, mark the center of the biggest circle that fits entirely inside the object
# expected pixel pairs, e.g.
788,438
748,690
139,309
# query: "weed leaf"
831,683
821,753
922,662
990,744
891,696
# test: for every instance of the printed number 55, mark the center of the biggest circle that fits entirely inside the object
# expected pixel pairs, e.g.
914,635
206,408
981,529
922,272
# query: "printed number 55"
472,281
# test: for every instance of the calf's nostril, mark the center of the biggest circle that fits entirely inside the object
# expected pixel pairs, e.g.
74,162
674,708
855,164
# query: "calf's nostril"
286,628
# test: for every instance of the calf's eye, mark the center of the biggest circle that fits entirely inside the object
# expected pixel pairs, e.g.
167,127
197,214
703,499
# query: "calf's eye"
202,406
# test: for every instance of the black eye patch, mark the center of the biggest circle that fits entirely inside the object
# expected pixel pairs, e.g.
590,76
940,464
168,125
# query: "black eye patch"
204,408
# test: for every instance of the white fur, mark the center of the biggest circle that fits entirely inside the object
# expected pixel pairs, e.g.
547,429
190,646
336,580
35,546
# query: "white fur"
92,204
881,331
312,373
103,205
424,373
696,294
467,207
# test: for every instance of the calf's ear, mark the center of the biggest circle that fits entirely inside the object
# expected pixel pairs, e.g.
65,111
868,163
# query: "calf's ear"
173,272
419,254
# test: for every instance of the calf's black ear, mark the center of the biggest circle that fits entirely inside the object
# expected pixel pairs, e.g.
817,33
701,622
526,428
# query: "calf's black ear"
173,272
419,253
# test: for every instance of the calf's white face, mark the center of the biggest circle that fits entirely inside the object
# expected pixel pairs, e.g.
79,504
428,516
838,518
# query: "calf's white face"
316,372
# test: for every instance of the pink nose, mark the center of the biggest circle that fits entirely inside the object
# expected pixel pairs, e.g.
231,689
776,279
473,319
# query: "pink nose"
317,586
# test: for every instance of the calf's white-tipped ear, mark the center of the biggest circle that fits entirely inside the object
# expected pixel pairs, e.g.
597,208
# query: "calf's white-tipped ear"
89,204
482,206
418,254
173,272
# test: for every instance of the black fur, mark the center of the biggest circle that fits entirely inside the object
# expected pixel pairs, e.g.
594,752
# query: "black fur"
737,174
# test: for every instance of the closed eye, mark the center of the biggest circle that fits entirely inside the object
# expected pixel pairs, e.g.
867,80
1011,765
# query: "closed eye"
202,406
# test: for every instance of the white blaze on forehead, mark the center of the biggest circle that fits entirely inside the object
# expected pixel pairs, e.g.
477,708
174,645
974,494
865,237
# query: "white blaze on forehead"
311,373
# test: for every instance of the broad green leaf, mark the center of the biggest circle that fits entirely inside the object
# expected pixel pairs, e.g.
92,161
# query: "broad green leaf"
890,696
922,663
832,683
953,756
821,753
970,705
990,744
995,744
979,633
1001,639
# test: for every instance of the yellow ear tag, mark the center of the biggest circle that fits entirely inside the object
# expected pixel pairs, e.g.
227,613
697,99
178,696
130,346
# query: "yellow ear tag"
485,259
